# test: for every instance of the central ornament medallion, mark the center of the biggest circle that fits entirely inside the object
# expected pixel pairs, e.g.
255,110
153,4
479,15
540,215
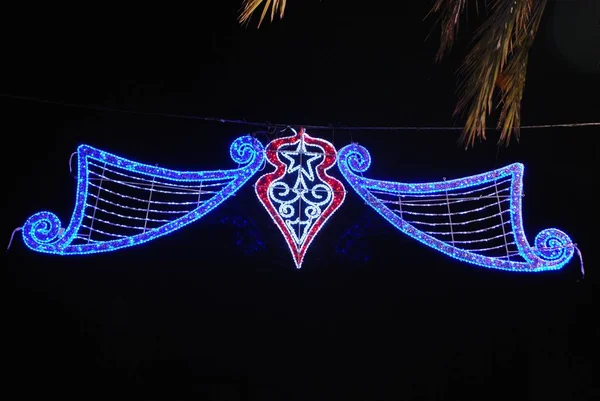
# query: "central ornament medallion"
299,195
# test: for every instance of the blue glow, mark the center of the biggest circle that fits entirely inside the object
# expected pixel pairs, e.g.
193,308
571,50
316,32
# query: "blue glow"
553,248
42,232
353,245
247,236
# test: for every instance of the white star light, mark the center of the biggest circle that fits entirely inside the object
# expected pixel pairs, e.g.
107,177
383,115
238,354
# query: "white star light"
303,154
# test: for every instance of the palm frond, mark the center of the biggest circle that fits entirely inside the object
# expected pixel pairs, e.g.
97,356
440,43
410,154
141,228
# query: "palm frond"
249,8
497,60
501,48
450,12
515,74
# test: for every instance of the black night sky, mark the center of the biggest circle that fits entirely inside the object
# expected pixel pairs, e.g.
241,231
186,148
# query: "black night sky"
217,310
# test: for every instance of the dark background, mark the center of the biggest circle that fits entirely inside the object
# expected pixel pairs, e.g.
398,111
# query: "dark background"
217,311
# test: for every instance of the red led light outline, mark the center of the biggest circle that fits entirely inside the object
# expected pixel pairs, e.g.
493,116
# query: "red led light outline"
264,183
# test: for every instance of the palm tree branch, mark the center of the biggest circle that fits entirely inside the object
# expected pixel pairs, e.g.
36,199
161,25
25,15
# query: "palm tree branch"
449,19
249,7
500,50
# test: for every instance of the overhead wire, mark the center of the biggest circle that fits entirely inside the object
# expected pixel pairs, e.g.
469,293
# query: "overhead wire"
282,125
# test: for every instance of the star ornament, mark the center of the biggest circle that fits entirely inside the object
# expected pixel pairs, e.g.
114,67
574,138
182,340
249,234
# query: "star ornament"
485,229
299,195
296,158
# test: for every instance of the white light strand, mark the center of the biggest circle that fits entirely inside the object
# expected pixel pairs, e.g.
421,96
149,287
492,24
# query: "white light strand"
421,203
128,217
142,200
407,207
405,202
446,214
102,232
114,224
137,209
453,200
132,185
86,239
491,248
467,232
453,194
313,190
141,183
511,254
457,223
501,217
482,239
96,203
161,181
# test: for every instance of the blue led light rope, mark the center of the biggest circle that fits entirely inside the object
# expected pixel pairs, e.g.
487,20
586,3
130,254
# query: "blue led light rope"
552,247
42,231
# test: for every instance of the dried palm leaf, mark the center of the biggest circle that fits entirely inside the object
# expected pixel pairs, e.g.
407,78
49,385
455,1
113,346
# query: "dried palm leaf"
249,8
498,59
450,12
514,84
501,49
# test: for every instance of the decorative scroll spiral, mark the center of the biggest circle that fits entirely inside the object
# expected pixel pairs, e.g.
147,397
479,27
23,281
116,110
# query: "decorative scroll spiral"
42,228
320,200
356,157
553,245
244,149
320,193
278,192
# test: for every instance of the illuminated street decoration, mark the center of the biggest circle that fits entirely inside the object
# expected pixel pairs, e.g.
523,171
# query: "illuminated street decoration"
299,195
121,203
475,219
